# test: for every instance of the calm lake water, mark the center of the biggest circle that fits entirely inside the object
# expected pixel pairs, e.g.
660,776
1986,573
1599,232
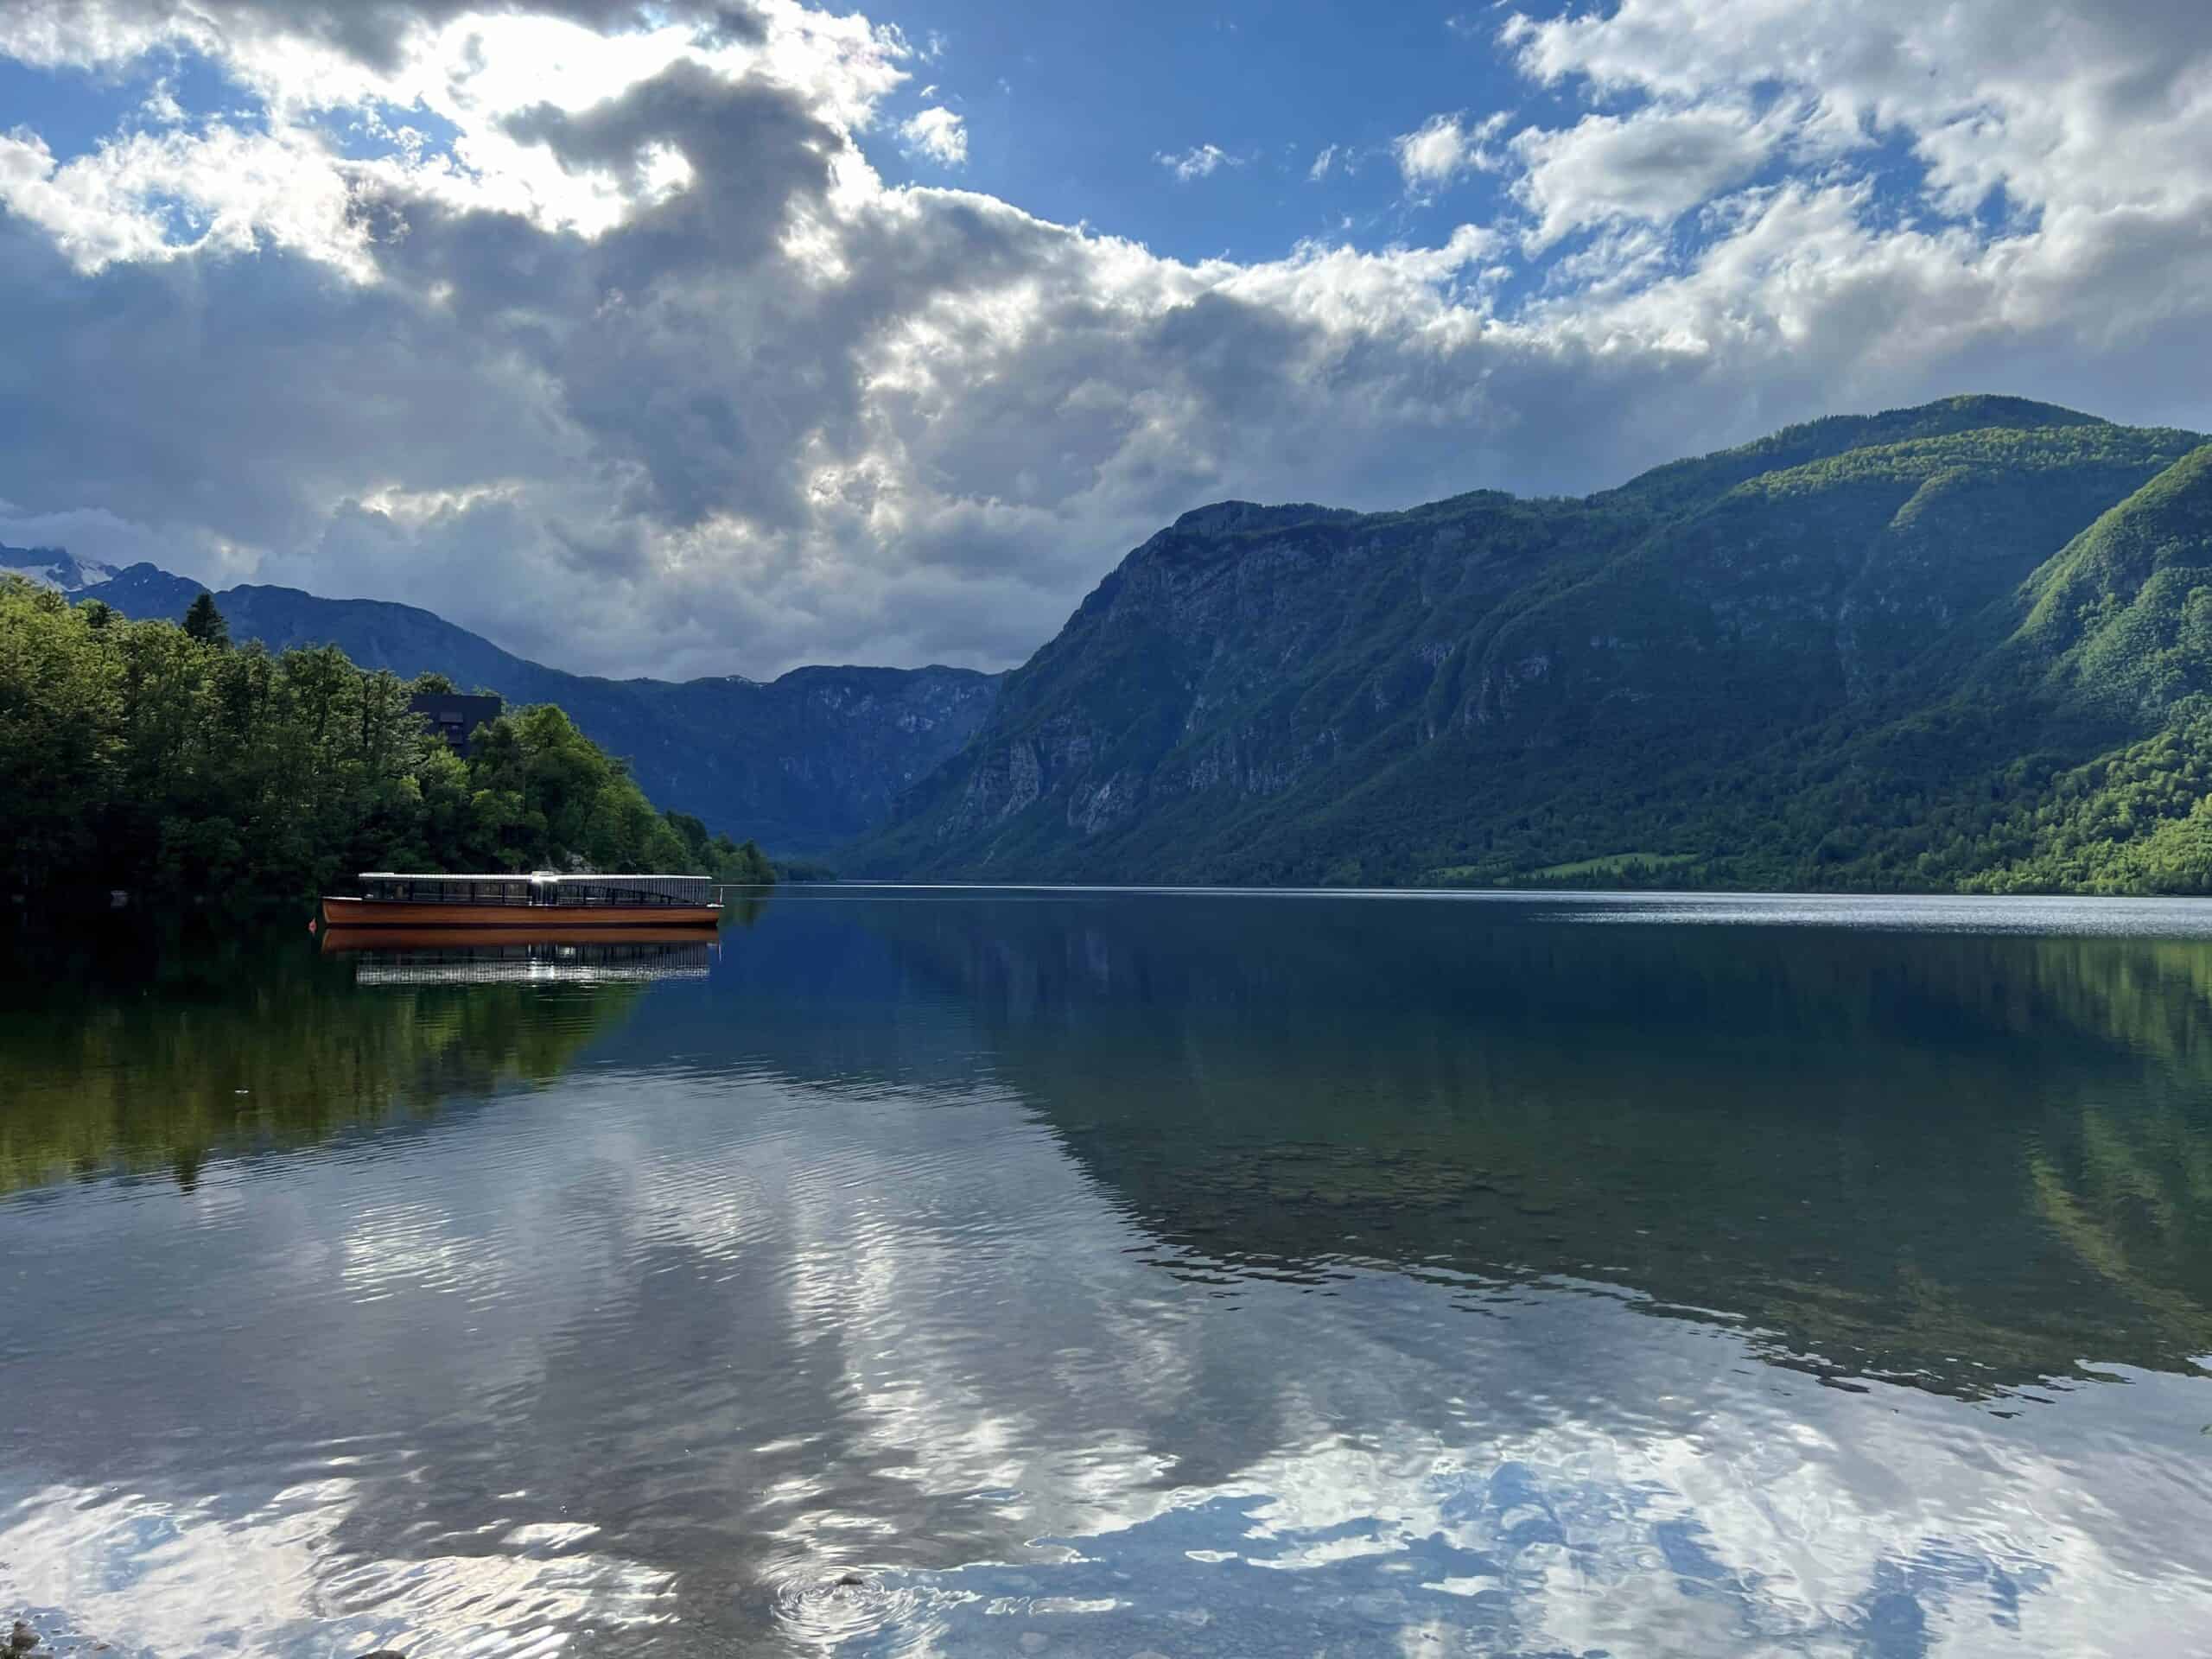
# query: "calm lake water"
1113,1273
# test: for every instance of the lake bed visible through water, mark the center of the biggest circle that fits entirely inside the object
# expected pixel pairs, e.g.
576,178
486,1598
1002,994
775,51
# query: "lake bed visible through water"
1117,1272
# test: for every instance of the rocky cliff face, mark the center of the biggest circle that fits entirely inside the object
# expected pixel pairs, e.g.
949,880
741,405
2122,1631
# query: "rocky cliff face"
1299,694
800,764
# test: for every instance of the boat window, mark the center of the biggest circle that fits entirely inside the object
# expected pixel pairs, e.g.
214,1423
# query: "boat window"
610,892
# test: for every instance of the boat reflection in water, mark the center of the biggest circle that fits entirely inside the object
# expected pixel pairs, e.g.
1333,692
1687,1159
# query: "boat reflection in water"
510,955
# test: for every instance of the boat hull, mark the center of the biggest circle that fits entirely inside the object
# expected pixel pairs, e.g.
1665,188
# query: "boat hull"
533,918
337,941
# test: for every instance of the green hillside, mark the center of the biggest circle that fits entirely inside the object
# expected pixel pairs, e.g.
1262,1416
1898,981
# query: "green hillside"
1870,651
158,759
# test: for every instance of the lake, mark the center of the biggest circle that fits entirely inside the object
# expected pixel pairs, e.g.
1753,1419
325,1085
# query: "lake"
1112,1272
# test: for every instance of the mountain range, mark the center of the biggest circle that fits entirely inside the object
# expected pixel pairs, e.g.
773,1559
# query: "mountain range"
1926,648
801,764
1965,645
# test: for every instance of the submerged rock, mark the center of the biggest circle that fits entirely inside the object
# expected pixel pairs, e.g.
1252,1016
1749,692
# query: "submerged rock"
22,1639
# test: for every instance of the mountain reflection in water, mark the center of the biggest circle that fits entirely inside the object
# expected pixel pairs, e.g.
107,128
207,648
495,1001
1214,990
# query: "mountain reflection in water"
1962,1160
1117,1273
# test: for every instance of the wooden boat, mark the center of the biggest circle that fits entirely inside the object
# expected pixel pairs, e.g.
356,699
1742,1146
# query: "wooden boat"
539,901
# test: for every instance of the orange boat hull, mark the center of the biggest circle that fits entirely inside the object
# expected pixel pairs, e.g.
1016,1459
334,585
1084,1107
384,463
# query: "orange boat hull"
538,920
337,941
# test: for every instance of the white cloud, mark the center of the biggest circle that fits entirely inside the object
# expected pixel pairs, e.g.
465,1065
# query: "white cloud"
1443,147
938,133
158,195
160,106
2087,103
651,332
1198,162
1654,165
1324,161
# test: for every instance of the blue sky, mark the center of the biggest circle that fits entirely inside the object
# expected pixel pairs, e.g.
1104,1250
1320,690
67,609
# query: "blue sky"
764,334
1068,107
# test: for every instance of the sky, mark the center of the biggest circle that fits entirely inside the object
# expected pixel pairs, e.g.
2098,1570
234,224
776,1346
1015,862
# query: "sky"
721,336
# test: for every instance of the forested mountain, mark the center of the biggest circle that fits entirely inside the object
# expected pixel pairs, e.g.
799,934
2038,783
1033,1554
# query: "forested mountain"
800,763
1961,645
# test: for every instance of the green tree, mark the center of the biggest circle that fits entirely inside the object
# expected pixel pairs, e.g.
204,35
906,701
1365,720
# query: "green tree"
205,623
59,743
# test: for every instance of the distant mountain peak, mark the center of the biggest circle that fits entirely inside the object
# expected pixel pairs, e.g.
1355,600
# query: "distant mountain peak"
1697,479
54,567
145,589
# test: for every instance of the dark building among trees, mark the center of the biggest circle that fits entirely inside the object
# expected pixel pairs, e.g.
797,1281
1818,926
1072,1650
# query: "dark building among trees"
454,717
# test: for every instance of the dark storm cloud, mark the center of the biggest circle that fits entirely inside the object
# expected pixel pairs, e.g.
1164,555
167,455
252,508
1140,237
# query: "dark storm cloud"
243,393
752,146
693,368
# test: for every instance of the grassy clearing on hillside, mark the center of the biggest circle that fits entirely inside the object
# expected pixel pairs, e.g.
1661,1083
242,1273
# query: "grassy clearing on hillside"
1613,865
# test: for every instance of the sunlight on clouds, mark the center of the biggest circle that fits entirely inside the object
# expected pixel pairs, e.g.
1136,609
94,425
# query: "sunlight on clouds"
161,195
938,134
663,171
1345,290
1654,165
2088,103
418,506
1443,147
478,71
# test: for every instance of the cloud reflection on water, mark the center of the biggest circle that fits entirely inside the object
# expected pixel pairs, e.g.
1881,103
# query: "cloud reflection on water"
664,1346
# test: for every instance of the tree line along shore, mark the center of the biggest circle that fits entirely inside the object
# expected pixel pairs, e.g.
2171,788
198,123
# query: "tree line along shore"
163,759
